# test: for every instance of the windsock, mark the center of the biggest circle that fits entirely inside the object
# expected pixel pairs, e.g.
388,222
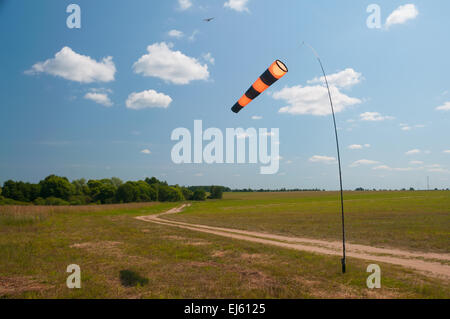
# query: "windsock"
275,72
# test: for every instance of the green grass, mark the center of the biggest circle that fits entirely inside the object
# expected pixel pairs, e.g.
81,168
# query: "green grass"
180,263
408,220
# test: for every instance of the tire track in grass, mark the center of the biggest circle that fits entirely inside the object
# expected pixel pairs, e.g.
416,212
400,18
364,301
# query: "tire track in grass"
426,263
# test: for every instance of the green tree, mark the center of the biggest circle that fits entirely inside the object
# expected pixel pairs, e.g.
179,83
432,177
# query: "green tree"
216,192
169,194
116,181
56,186
199,195
102,191
187,193
126,193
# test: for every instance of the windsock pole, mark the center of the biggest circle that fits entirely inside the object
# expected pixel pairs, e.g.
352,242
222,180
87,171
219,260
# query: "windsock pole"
343,261
275,72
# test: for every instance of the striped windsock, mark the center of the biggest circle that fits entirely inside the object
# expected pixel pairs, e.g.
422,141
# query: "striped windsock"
275,72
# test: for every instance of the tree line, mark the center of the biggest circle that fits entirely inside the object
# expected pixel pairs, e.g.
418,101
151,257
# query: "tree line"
57,190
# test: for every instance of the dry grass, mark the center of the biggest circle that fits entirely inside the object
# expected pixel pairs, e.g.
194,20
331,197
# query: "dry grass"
71,209
16,215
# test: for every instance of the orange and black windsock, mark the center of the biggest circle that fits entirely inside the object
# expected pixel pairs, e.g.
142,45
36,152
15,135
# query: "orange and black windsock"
275,72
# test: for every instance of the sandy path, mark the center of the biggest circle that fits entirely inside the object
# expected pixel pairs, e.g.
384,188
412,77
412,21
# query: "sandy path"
427,263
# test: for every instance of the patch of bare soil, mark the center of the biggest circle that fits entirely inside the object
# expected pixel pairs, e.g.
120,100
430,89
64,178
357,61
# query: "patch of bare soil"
18,285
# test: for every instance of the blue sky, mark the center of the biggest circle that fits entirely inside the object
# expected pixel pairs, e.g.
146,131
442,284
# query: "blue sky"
69,115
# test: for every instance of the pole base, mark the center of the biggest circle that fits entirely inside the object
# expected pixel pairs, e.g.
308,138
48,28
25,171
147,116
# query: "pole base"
343,265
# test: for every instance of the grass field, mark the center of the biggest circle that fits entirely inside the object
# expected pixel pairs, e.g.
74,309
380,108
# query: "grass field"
409,220
121,257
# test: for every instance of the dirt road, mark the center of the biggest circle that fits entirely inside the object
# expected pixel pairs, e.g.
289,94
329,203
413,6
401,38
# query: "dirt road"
436,265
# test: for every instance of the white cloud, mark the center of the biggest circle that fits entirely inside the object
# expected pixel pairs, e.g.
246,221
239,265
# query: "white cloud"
374,117
445,107
416,162
382,167
193,35
322,159
388,168
364,162
76,67
237,5
99,97
257,117
406,127
447,152
170,66
413,152
175,34
209,58
148,99
313,100
358,146
146,151
438,170
343,79
184,4
402,14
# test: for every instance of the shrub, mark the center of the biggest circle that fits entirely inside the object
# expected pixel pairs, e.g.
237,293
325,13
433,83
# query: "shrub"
216,192
129,278
199,195
169,194
54,201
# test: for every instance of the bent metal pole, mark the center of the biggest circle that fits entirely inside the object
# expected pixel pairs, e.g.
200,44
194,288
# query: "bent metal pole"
343,261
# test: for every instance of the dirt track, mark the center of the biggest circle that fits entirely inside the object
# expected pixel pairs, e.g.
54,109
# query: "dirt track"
426,263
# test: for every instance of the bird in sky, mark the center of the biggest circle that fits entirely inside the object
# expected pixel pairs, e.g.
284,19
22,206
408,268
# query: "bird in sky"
208,19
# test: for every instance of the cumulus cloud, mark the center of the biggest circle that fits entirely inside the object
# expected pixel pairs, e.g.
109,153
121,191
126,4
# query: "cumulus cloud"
146,151
175,34
445,107
257,117
447,151
314,99
322,159
237,5
364,162
148,99
171,66
416,162
343,79
413,152
99,97
76,67
184,4
402,14
358,146
374,117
